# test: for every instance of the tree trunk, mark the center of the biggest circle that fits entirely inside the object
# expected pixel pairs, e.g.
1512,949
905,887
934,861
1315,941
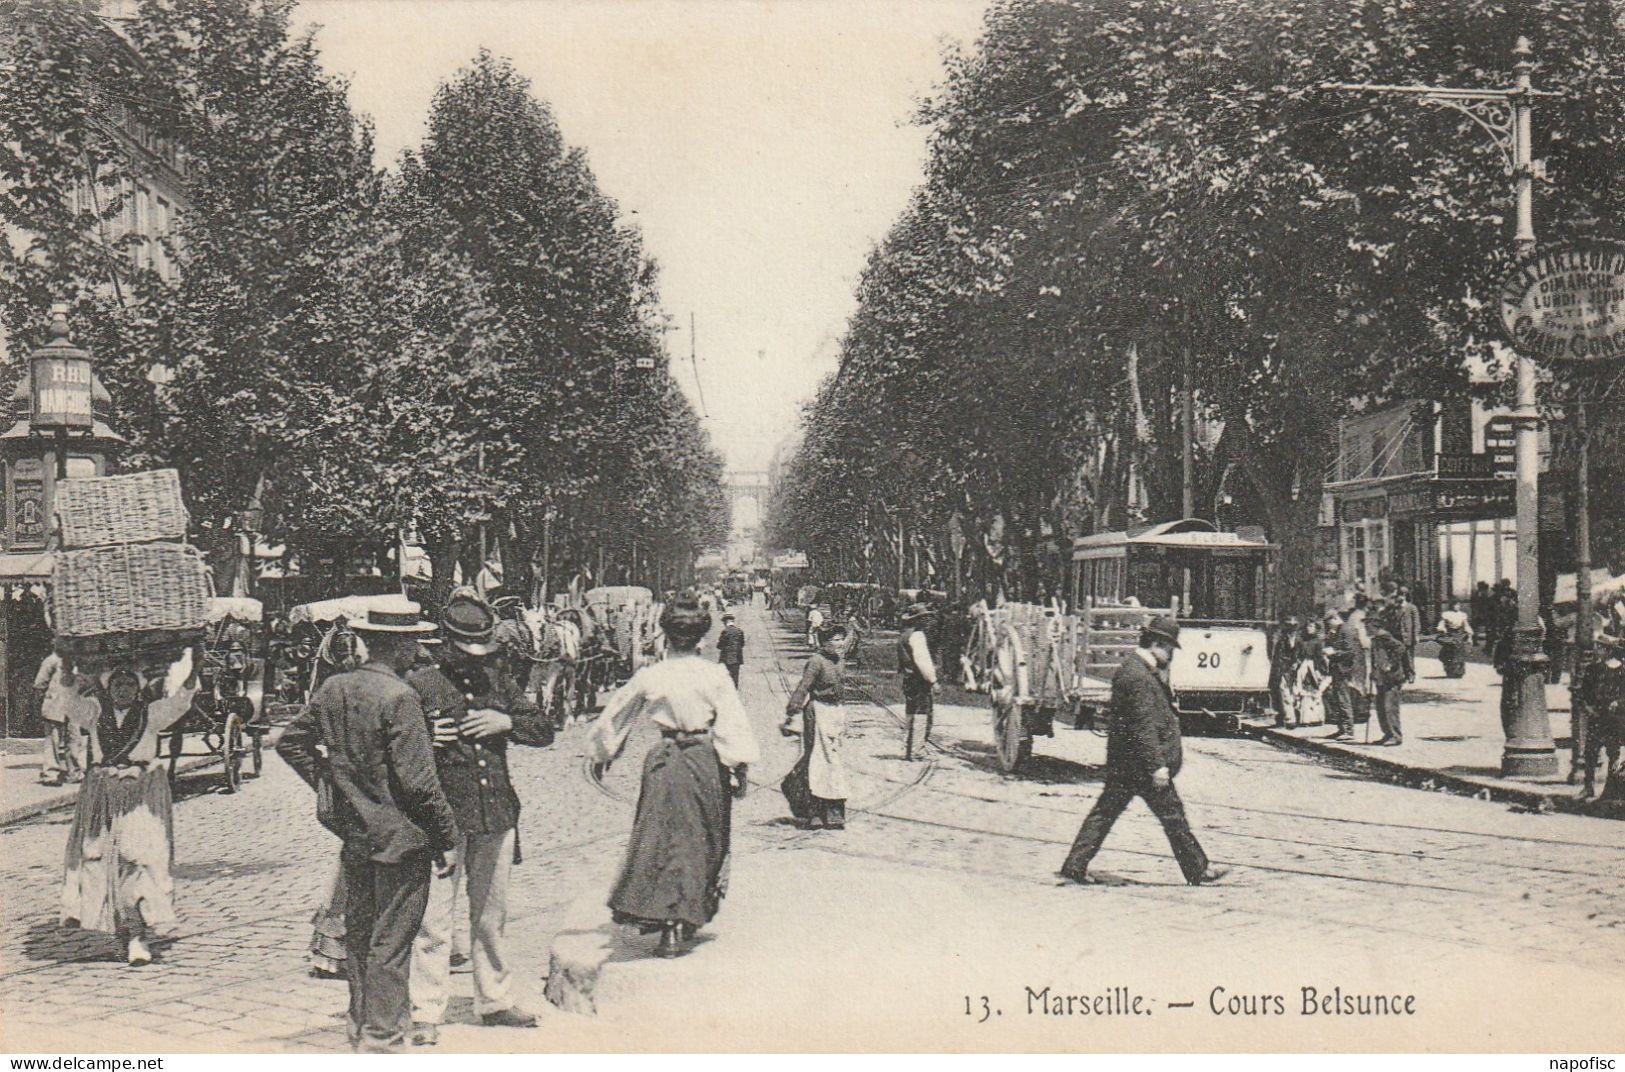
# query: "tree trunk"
518,552
1294,524
224,557
443,555
468,557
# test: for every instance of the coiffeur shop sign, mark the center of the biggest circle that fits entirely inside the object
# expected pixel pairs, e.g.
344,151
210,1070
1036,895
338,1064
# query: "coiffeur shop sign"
1568,304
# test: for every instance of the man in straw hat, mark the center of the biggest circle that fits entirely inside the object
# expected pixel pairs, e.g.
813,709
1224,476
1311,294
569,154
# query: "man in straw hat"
363,744
1143,754
476,709
919,673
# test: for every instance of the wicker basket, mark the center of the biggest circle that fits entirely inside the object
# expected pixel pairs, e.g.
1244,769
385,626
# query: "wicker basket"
150,652
135,588
134,508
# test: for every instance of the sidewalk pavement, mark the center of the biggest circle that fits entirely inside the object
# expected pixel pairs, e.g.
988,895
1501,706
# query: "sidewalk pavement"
1453,740
24,796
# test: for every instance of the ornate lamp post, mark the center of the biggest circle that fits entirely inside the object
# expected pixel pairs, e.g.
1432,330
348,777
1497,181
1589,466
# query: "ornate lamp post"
1506,115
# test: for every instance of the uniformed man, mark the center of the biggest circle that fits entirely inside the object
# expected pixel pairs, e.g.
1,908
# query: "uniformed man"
1143,756
474,709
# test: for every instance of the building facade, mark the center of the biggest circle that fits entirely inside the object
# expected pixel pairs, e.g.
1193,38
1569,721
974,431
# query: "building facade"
1424,493
141,235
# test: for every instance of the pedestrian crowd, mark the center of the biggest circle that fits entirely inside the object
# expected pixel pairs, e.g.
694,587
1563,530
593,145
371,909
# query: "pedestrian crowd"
408,758
1350,665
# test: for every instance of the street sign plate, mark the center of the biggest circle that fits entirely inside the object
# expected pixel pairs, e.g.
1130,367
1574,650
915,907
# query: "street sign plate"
1568,303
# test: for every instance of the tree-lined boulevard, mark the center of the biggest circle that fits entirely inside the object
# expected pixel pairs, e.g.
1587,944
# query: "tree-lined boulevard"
941,888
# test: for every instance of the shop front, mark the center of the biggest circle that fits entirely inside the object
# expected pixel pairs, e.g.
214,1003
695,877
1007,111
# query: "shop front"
1441,534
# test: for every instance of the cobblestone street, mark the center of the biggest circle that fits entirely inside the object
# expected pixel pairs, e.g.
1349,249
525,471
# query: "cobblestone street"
1336,881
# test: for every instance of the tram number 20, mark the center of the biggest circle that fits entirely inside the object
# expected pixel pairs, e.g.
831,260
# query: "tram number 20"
1207,660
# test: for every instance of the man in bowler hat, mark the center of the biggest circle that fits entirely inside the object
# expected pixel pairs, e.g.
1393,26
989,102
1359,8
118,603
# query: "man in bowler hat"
1143,755
919,674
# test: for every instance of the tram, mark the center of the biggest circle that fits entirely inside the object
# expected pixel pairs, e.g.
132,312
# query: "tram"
1219,585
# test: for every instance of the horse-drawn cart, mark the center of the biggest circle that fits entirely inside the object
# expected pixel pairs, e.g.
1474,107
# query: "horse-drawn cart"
228,712
1035,664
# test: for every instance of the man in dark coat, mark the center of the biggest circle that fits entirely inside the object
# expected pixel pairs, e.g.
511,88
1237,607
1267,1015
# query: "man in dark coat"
919,674
363,744
1389,669
475,709
1143,755
1347,662
731,647
1406,628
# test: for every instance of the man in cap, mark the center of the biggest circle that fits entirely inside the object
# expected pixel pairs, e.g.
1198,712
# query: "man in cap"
919,673
731,646
363,744
475,709
1143,755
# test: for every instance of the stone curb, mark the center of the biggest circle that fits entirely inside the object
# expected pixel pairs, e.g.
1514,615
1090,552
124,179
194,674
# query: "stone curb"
64,799
1534,798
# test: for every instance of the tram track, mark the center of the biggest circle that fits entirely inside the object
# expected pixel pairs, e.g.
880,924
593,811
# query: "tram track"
1223,831
923,781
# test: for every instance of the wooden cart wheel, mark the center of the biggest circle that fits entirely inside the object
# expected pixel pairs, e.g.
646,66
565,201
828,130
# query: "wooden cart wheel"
257,753
1007,688
231,752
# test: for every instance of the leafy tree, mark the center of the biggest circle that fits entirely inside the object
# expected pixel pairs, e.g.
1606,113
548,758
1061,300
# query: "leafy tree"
264,337
67,83
1118,188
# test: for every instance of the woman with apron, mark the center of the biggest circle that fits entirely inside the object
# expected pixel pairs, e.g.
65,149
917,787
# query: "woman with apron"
122,843
816,787
675,874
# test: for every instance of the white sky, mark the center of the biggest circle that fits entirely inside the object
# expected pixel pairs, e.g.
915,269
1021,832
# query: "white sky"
764,147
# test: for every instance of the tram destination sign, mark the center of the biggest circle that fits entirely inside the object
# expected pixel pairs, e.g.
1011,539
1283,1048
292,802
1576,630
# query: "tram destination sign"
1568,304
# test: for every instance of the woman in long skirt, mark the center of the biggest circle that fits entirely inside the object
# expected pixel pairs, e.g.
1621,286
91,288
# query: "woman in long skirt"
817,786
122,843
675,871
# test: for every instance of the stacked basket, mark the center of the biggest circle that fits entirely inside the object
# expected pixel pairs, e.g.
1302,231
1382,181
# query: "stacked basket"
125,584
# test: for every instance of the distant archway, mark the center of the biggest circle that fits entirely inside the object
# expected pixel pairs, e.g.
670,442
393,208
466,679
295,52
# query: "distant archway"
747,500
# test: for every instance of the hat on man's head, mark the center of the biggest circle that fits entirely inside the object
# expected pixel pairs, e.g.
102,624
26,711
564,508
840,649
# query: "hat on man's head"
728,616
1163,627
469,624
395,614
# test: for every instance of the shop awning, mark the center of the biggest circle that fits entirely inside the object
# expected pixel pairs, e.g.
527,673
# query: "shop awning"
25,567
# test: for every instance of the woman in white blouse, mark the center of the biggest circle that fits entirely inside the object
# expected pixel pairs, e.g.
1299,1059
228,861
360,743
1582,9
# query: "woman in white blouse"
674,876
122,843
